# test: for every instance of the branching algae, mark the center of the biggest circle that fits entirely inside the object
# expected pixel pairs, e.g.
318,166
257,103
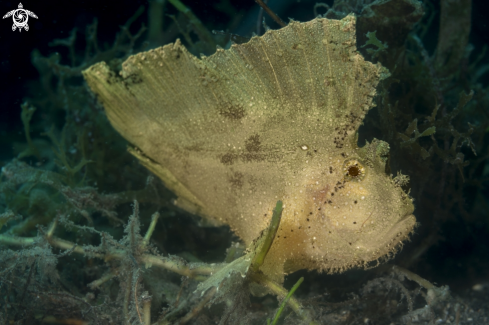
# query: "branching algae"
273,119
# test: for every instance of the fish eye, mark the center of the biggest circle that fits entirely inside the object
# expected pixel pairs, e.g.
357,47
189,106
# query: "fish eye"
354,170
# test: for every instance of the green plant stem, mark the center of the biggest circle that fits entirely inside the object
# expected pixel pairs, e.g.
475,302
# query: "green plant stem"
413,277
175,265
127,298
280,291
16,241
106,277
287,298
147,311
151,228
267,243
155,21
196,310
26,116
52,228
199,28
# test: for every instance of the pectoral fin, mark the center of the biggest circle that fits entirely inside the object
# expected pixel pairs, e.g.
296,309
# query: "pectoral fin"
186,199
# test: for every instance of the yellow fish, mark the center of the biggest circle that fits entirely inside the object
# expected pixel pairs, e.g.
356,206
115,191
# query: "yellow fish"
273,119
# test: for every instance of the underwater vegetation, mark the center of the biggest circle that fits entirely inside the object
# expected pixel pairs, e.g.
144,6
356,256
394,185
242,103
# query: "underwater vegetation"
165,188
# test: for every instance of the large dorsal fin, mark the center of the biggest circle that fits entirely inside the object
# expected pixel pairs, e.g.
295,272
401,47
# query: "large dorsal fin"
235,122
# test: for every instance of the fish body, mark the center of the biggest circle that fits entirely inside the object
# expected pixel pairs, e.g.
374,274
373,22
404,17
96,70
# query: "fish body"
273,119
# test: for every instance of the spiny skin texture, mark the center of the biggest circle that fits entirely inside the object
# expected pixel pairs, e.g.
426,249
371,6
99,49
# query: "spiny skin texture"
273,119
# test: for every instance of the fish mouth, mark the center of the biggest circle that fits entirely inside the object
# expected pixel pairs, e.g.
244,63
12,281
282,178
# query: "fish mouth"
403,227
397,233
388,241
